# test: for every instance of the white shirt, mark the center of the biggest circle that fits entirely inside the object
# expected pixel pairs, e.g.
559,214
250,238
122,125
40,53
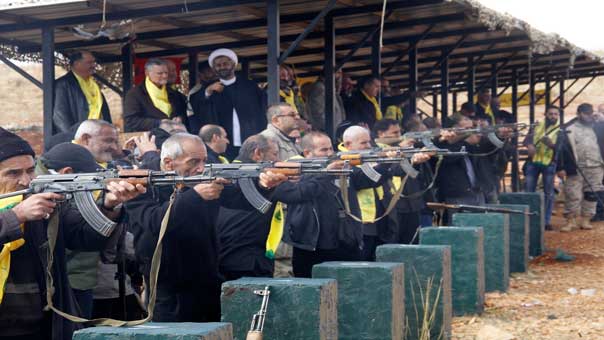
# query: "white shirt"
236,126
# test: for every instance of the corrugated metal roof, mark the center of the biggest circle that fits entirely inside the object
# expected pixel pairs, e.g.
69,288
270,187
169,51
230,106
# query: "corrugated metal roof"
489,37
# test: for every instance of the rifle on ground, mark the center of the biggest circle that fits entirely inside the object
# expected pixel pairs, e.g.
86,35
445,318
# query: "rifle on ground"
79,187
476,208
257,326
244,173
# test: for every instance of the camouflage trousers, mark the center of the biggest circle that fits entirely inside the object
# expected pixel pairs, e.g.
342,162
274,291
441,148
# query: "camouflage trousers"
575,188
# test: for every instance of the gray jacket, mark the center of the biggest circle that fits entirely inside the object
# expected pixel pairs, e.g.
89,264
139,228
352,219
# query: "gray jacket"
315,110
287,146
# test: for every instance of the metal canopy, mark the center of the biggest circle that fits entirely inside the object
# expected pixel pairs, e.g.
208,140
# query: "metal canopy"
462,28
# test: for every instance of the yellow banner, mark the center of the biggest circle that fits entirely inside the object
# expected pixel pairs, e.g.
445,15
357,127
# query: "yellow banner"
506,99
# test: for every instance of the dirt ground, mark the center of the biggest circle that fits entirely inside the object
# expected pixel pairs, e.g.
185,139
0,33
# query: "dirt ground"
538,304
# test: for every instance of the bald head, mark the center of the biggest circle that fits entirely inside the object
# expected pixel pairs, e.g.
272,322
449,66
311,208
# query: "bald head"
356,138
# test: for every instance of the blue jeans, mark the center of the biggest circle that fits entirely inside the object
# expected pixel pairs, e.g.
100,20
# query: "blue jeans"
532,176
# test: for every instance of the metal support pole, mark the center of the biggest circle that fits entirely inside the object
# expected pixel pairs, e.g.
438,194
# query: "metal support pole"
494,79
548,90
531,93
454,102
272,11
562,101
193,62
435,105
127,68
444,90
515,165
48,78
22,72
328,73
471,79
412,80
245,68
376,55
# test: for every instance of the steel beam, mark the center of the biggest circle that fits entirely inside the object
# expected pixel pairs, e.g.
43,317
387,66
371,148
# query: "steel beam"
580,91
531,93
21,71
443,58
48,79
435,105
444,90
548,89
562,101
311,26
127,68
412,89
494,79
470,81
376,55
272,13
454,102
515,165
403,54
193,62
245,68
328,75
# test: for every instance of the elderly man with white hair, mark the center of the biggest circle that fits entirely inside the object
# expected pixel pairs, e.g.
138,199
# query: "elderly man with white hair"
188,288
100,138
237,103
147,104
373,197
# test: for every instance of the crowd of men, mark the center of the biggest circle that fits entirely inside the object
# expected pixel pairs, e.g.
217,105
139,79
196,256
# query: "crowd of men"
213,233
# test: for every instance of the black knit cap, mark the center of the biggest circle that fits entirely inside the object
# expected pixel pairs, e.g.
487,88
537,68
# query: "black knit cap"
69,155
12,145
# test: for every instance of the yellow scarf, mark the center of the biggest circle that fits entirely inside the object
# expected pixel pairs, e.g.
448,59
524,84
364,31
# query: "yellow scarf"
378,111
288,97
7,248
159,97
489,112
394,112
92,92
544,154
276,232
366,198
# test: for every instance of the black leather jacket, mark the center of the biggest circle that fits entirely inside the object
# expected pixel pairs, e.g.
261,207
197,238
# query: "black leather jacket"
71,106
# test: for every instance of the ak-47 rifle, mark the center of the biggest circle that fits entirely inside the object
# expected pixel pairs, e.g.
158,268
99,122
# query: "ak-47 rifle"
427,136
244,173
476,208
257,326
79,187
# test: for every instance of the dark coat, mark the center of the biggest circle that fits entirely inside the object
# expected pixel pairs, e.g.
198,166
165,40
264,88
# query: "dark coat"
141,115
75,234
71,106
452,179
248,100
361,110
190,248
315,214
566,158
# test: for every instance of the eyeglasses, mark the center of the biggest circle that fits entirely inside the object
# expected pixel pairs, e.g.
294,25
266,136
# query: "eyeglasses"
290,114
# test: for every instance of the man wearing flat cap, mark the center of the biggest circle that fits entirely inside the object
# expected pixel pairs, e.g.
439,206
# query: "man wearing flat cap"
23,240
236,102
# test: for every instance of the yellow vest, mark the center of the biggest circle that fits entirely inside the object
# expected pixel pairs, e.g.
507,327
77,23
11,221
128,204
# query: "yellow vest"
159,97
394,112
92,92
376,105
489,112
544,154
366,198
7,248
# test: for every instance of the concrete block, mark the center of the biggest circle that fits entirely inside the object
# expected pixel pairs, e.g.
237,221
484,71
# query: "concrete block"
535,202
467,264
519,237
159,331
371,298
301,309
427,273
496,228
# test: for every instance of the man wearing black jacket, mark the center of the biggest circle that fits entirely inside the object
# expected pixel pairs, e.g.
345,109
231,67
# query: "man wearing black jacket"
23,229
77,96
316,224
242,233
188,286
216,141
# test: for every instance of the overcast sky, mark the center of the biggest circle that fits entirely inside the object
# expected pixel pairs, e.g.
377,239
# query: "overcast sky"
579,21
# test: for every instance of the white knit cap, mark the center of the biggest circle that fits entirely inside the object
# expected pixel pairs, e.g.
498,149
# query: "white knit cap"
222,52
